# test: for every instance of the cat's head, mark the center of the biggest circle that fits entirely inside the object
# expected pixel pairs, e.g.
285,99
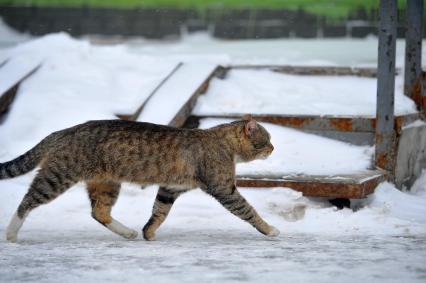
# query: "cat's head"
255,141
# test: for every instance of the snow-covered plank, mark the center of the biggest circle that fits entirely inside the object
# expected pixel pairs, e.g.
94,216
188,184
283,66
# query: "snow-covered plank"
12,73
172,103
267,92
356,185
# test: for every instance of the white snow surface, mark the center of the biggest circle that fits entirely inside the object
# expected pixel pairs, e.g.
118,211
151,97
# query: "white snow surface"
384,240
381,239
277,93
415,124
296,152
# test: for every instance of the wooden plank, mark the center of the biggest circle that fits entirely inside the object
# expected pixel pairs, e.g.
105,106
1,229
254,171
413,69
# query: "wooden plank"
342,186
173,102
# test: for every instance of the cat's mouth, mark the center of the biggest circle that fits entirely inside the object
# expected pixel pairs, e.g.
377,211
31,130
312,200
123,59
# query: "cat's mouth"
264,155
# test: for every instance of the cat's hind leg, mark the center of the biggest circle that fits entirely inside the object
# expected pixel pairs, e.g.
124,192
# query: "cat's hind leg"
46,186
103,196
162,205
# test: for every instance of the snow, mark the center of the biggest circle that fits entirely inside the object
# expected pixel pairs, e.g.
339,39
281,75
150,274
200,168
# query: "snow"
276,93
296,152
10,36
384,240
381,239
415,124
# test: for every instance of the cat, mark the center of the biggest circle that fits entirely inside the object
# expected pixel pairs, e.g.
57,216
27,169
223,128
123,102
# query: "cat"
106,153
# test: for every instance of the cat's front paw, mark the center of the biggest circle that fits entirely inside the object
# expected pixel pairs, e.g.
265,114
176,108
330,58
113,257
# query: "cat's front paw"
11,237
273,232
149,236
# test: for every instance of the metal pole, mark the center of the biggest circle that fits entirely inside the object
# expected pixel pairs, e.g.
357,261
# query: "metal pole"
413,52
385,130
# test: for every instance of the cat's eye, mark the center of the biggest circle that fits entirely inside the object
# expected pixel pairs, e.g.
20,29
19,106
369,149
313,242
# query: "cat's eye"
259,145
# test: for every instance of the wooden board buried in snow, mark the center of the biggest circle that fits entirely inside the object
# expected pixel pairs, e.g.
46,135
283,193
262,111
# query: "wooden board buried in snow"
14,70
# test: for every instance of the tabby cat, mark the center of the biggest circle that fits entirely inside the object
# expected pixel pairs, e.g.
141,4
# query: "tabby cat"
106,153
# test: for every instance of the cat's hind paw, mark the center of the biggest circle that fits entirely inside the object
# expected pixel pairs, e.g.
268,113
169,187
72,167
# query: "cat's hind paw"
131,234
273,232
11,237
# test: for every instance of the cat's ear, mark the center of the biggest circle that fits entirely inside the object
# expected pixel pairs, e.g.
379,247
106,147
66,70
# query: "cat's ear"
250,127
247,117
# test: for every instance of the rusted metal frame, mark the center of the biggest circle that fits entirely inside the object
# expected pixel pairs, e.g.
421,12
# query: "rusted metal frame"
7,97
385,155
311,70
309,122
320,123
318,186
413,53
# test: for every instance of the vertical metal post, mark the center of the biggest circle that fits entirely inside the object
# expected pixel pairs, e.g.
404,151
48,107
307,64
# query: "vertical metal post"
385,130
413,53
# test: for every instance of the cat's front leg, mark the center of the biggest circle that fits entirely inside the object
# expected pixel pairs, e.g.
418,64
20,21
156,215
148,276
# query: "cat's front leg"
162,205
233,201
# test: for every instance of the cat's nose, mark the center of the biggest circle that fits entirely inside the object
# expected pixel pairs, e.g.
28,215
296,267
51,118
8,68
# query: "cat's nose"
272,148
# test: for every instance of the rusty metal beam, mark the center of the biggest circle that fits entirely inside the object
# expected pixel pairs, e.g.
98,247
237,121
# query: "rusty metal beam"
310,70
320,123
385,125
413,53
343,186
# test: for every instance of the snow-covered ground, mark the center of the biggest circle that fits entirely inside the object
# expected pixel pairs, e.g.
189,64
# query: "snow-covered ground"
381,239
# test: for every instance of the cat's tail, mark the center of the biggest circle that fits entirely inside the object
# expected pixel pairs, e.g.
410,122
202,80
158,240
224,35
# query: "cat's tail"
24,163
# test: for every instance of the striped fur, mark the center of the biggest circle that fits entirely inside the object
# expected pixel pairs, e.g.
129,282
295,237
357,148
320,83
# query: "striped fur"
106,153
22,164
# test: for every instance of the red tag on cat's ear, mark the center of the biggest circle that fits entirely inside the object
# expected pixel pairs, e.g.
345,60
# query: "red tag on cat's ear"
250,127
